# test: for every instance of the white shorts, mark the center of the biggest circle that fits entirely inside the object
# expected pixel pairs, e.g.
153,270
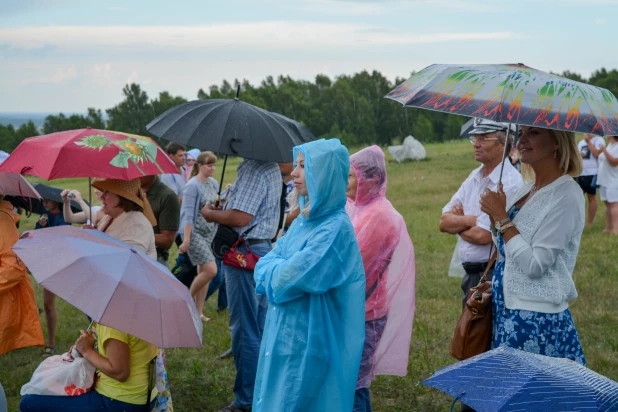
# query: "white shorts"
609,194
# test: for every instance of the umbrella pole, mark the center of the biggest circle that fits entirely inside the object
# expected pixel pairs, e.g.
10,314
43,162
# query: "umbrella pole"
221,184
90,326
505,154
90,200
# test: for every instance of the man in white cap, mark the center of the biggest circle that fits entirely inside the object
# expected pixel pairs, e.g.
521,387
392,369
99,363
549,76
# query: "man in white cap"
462,215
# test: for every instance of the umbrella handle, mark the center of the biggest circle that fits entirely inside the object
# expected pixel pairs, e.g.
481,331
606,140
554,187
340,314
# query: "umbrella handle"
455,401
504,154
221,184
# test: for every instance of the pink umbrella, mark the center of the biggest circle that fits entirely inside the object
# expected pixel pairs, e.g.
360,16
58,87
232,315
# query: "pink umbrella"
13,184
113,283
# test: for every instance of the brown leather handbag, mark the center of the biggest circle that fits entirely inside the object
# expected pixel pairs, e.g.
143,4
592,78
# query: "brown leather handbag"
473,332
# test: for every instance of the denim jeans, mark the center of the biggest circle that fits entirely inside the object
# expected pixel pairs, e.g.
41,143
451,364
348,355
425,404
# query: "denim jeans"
247,316
362,403
90,401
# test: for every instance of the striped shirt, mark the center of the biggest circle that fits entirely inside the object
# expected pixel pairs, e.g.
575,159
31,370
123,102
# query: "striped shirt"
257,191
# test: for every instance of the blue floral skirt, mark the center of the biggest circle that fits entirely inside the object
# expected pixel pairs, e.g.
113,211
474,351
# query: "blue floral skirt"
549,334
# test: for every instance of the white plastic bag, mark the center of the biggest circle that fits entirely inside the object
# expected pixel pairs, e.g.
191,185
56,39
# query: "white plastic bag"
455,268
68,374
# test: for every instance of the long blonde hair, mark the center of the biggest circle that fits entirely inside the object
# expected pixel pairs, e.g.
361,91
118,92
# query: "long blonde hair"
569,159
293,201
203,158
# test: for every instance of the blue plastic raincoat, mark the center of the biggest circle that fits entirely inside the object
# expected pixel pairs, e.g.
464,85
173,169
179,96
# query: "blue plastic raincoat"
315,284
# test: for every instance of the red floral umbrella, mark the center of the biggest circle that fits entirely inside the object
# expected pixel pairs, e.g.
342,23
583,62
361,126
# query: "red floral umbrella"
88,153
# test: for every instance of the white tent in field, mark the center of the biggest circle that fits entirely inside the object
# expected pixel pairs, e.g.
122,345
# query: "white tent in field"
411,149
3,156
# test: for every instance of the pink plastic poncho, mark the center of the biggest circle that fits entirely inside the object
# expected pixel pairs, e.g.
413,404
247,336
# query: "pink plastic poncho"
388,258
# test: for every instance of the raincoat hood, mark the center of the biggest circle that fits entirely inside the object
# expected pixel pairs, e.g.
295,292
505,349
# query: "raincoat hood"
327,164
370,168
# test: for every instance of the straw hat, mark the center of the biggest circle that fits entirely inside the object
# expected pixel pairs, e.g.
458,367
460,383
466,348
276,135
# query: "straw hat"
130,190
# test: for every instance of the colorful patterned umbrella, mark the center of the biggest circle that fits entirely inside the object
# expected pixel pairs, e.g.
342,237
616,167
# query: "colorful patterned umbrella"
512,93
88,153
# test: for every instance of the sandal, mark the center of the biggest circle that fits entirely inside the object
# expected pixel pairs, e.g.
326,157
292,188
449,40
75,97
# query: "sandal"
204,318
50,350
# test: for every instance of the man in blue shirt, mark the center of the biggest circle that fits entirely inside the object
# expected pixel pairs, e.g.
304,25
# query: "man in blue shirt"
252,209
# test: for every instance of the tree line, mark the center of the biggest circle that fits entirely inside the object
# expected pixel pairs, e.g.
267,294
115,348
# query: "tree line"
352,108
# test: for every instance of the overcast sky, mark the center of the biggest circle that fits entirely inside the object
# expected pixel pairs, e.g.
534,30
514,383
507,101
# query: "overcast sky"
65,55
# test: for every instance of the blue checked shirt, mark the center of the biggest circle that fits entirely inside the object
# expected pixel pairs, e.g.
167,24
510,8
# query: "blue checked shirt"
257,191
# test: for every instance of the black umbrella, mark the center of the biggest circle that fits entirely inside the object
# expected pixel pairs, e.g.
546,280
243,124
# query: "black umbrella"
48,192
232,127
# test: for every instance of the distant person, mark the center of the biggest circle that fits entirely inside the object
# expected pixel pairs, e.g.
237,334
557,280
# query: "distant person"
166,209
200,191
590,149
19,317
175,181
190,157
463,216
52,217
314,281
608,181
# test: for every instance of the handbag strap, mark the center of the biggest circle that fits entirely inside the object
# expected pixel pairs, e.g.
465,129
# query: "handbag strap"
493,253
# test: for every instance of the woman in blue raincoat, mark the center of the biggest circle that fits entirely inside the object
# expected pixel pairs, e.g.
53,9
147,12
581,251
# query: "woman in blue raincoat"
315,283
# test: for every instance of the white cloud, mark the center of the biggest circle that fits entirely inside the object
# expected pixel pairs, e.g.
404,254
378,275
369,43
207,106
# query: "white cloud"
60,75
273,35
601,21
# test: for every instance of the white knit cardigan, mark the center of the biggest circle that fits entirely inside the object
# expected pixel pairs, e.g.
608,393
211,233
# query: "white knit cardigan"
538,272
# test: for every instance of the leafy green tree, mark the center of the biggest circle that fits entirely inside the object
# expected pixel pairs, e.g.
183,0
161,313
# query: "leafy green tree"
133,113
8,142
59,123
606,79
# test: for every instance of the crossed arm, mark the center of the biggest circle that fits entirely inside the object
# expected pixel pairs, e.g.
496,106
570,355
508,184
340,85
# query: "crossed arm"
456,223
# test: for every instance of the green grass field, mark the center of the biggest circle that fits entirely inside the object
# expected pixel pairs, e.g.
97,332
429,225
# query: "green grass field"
419,190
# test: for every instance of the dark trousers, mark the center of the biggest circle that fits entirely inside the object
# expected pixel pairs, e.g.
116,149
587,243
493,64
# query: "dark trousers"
188,272
469,281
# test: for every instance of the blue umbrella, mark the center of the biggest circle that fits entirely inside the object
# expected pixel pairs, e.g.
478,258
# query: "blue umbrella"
507,379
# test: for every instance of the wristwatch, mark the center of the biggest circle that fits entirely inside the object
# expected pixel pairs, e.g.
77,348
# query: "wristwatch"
504,228
500,224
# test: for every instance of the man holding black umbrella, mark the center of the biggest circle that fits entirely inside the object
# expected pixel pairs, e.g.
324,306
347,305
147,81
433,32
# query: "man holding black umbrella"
252,210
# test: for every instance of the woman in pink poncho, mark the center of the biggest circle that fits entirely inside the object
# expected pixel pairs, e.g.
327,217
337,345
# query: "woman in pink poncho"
388,258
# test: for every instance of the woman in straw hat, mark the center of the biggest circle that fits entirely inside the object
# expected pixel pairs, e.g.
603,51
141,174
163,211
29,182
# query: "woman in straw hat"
128,216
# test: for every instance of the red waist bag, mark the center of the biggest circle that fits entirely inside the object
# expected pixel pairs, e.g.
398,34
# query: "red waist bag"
241,260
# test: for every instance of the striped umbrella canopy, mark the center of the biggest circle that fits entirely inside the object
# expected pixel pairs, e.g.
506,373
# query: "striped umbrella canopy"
509,380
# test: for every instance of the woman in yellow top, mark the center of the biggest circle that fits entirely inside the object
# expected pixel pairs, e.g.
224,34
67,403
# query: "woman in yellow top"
122,363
